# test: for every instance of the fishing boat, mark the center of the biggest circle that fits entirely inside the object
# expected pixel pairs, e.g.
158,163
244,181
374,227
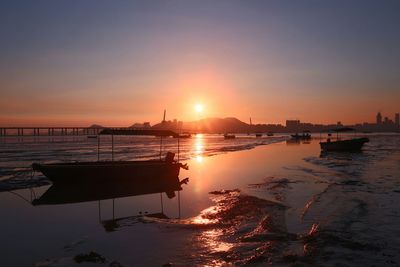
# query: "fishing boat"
304,136
183,135
229,136
352,144
100,171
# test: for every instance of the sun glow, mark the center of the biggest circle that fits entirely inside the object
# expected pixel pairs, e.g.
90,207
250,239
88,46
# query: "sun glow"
199,108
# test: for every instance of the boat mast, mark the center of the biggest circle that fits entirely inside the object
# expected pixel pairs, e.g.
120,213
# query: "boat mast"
161,137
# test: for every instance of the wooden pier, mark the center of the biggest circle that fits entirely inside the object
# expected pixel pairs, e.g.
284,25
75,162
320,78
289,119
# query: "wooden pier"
79,131
49,131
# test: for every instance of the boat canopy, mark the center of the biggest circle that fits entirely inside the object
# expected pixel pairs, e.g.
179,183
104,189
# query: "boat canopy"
109,131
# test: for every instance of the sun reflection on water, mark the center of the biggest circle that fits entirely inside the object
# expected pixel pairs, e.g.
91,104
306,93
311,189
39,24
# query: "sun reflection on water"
199,148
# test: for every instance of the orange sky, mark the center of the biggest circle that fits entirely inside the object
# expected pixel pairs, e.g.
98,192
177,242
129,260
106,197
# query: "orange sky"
119,64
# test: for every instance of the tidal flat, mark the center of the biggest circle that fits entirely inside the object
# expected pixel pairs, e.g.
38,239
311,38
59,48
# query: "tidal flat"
248,202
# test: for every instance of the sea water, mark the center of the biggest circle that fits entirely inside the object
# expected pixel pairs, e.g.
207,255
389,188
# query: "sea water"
267,201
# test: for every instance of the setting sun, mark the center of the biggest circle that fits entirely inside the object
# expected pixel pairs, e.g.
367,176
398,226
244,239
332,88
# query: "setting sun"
199,108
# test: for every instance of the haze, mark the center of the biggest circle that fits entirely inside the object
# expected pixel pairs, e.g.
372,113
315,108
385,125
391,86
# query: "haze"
118,62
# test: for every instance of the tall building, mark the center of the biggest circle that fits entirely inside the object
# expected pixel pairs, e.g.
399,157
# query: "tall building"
397,119
379,118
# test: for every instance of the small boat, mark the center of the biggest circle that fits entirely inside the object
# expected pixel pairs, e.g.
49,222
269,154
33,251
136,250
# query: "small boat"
183,135
229,136
270,134
92,136
101,171
258,135
354,144
304,136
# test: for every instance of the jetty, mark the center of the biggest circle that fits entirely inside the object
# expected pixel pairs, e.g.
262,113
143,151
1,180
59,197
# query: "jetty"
78,131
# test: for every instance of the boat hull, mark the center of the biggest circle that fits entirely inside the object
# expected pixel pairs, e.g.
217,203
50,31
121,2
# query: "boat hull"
144,171
344,145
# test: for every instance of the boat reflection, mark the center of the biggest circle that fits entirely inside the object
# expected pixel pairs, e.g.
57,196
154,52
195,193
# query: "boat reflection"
340,155
297,141
84,192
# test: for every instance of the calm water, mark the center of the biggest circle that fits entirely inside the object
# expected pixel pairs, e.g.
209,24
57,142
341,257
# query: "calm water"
283,203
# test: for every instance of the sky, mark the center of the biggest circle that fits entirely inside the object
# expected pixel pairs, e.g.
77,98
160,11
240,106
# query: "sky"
119,62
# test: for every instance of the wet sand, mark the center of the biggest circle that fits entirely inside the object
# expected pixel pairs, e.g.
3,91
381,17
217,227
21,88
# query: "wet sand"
283,204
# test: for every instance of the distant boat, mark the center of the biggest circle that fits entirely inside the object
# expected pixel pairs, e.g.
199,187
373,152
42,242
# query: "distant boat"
270,134
101,171
354,144
92,136
304,136
258,135
229,136
183,135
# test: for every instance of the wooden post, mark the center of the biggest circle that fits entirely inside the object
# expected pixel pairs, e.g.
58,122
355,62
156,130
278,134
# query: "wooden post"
178,148
179,204
161,141
98,148
112,147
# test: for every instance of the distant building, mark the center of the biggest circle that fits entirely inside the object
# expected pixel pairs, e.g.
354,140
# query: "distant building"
397,119
146,125
386,120
379,118
292,124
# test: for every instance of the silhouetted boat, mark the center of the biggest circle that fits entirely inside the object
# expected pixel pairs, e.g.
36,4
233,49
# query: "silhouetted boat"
258,135
354,144
92,136
305,135
103,170
229,136
183,135
270,134
74,172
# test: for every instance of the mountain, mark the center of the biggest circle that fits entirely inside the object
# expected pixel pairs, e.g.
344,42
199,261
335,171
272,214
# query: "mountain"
217,125
209,125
